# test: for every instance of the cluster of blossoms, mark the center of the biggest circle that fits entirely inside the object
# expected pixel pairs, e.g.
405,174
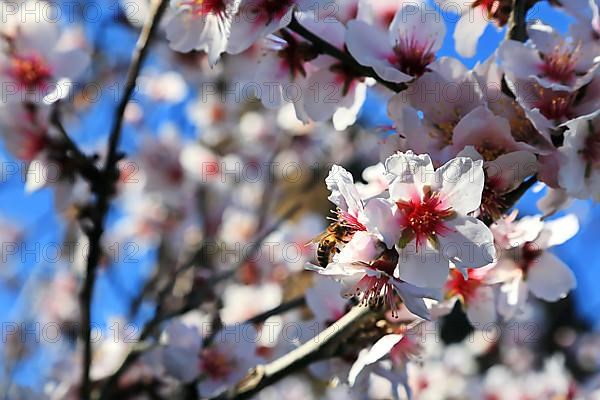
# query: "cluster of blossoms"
219,195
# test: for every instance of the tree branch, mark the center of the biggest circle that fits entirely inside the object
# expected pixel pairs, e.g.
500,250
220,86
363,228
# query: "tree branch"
323,346
160,315
517,24
323,46
103,188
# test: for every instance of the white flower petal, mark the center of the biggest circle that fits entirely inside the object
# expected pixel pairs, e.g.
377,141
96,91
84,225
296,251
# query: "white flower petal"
548,278
470,245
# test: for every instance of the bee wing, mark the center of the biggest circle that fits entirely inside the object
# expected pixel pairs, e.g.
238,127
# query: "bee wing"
318,238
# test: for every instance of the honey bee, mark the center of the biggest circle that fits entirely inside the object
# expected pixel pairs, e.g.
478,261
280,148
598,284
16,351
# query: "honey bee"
337,232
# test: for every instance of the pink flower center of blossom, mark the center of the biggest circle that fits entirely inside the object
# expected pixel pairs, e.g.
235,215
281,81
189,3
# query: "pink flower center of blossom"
492,201
559,65
529,254
371,289
205,7
215,364
403,350
30,71
294,56
424,218
458,286
411,55
350,221
556,107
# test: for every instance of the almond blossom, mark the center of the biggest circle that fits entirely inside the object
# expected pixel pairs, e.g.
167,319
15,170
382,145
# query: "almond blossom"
476,296
367,270
333,90
29,137
525,264
38,61
432,226
502,175
445,94
227,359
201,25
258,18
550,60
405,50
580,173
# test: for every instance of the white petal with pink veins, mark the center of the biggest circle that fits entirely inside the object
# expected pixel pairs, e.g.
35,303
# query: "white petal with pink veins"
380,219
362,247
549,278
482,127
412,297
321,301
418,20
511,169
425,268
460,182
470,244
343,192
468,30
518,59
543,37
324,95
366,42
412,172
380,349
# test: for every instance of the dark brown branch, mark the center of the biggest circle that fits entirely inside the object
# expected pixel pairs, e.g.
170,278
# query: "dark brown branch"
109,387
324,47
324,346
517,24
85,164
280,309
103,188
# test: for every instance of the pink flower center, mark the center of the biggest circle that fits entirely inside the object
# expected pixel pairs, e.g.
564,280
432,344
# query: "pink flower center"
350,221
411,55
295,55
205,7
458,286
557,107
215,364
30,71
404,349
373,288
424,218
529,254
559,65
492,200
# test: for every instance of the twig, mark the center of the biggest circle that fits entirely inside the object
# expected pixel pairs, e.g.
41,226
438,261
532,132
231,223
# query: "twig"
321,347
103,188
160,316
86,166
280,309
323,46
517,24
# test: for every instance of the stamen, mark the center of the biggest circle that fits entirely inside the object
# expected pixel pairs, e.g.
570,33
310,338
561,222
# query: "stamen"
424,218
412,56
